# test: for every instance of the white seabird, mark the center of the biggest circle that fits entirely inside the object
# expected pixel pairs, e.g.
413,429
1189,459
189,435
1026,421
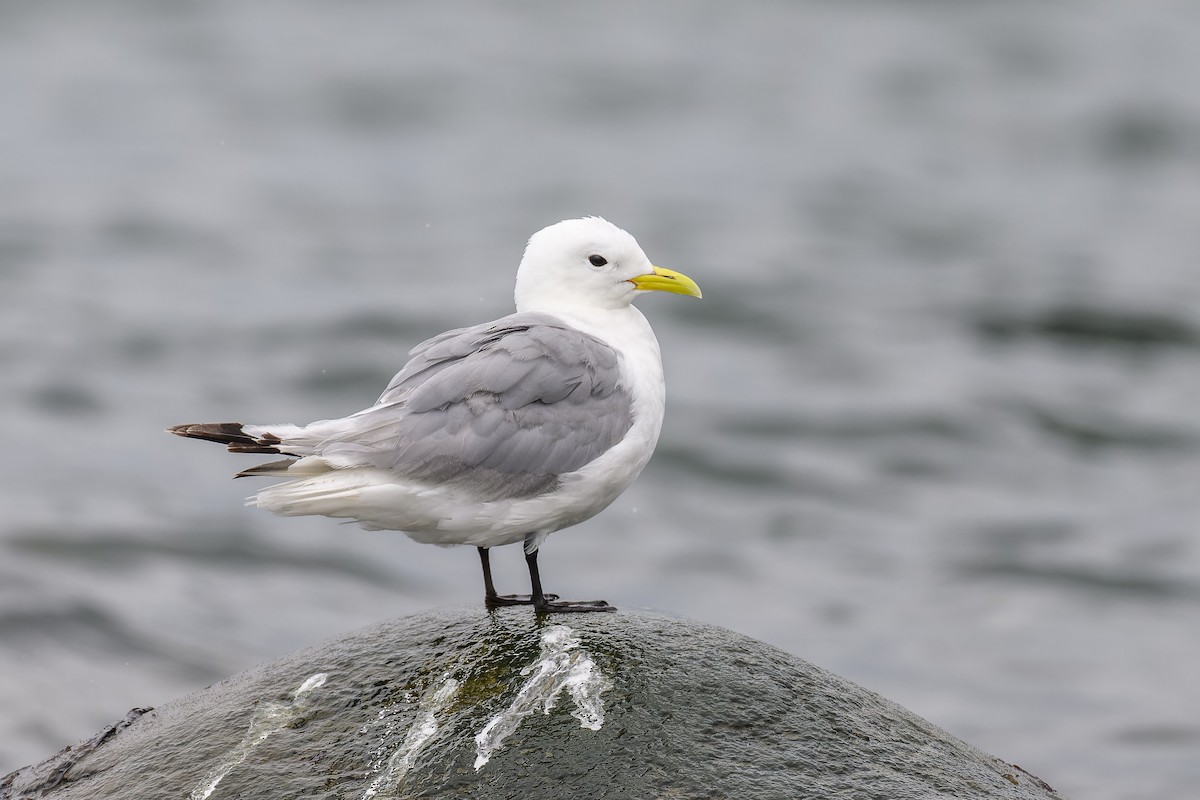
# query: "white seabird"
499,433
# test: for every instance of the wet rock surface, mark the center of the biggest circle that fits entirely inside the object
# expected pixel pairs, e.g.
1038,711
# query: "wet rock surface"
465,703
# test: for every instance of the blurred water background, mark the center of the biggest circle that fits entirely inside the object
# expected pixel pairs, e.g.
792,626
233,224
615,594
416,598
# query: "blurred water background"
933,427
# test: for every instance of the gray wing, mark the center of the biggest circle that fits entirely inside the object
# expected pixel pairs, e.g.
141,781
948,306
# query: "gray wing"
501,409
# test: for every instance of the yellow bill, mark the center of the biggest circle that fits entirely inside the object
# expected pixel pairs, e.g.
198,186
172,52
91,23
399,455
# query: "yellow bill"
667,280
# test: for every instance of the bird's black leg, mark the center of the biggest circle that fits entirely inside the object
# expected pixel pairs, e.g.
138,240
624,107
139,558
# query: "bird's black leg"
489,589
490,598
548,602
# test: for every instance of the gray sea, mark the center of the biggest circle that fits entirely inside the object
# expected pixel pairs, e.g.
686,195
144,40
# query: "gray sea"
934,425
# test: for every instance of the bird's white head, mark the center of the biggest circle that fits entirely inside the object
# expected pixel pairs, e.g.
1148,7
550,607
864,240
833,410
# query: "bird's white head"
589,263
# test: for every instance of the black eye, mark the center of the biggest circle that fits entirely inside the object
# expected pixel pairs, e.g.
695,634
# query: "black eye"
597,261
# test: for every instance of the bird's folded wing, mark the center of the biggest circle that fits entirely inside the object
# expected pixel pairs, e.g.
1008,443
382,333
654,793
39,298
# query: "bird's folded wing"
501,409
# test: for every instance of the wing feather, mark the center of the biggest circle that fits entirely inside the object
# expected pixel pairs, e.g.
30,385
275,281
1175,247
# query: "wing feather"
501,409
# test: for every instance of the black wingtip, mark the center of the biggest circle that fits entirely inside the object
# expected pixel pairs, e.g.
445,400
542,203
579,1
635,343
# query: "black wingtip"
229,434
270,468
212,431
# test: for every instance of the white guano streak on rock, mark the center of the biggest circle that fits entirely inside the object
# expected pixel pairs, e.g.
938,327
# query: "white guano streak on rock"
424,727
269,718
561,665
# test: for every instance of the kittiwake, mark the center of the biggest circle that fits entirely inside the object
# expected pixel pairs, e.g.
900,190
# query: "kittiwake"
498,433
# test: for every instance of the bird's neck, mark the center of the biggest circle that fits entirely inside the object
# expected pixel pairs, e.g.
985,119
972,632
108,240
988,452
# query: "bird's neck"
624,326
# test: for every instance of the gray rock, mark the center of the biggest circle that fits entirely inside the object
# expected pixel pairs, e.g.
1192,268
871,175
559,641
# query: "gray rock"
463,703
